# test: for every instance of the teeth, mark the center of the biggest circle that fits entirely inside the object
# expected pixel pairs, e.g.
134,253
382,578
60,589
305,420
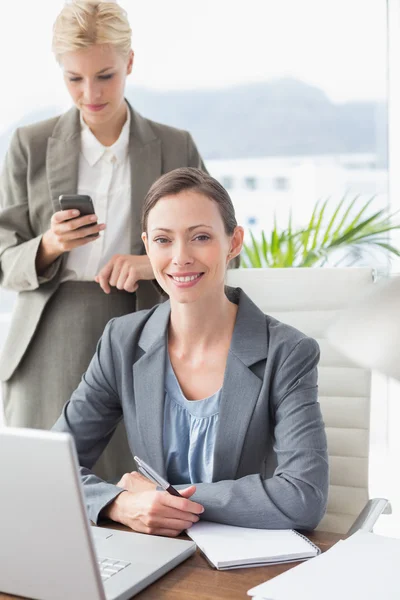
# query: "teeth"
185,279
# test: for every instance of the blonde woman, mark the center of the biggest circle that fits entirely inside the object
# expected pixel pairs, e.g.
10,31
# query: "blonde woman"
70,282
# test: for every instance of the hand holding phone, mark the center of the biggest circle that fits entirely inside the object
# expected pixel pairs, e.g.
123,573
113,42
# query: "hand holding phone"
80,202
73,226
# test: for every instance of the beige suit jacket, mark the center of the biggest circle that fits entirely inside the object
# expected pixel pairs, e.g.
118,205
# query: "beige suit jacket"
42,163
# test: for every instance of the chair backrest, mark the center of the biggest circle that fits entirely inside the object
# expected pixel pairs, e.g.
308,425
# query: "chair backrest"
309,299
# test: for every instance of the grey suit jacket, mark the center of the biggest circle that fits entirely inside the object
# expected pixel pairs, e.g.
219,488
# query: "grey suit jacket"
270,459
42,163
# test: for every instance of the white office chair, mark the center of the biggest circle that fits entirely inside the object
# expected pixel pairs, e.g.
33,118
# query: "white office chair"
309,299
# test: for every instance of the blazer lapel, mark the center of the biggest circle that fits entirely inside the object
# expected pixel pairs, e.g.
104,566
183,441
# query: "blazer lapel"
145,157
240,390
241,387
148,381
62,158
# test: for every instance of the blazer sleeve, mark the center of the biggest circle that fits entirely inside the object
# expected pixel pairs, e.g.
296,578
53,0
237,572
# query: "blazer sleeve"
91,417
295,496
18,243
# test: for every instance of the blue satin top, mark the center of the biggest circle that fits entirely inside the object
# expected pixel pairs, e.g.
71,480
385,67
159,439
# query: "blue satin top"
189,433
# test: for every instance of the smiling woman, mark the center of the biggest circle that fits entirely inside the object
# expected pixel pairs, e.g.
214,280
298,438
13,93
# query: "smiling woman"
70,280
220,398
195,254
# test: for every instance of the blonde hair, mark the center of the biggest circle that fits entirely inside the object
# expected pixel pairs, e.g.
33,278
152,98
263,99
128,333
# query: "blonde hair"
82,23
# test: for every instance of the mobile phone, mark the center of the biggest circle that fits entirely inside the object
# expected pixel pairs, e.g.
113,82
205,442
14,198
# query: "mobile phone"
80,202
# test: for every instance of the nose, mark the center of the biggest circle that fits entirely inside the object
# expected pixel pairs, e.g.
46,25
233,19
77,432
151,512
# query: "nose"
91,92
182,255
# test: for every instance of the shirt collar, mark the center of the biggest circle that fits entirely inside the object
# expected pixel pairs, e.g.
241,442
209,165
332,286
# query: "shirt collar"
93,150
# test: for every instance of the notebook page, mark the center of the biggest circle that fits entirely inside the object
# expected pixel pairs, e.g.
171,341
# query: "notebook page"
229,544
364,566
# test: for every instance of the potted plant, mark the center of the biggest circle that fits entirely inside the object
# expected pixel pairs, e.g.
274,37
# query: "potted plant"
347,233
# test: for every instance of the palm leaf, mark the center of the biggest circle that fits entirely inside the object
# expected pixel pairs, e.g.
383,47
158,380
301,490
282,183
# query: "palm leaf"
317,227
350,234
314,244
332,221
256,252
307,231
357,218
338,229
264,247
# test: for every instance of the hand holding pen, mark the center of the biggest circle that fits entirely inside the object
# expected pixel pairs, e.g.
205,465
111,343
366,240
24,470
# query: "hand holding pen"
148,472
144,509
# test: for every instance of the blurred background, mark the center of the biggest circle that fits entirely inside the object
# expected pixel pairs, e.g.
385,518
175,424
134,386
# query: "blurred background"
287,102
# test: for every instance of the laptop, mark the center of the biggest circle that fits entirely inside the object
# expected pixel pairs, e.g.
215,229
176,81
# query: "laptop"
48,550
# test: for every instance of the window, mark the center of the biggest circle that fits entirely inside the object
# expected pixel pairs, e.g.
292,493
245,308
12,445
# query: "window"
281,183
286,120
250,183
227,182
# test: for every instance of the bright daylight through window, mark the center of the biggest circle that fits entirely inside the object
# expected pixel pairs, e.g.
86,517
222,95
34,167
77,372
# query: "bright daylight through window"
287,103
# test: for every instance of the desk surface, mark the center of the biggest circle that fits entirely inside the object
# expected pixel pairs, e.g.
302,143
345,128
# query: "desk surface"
194,579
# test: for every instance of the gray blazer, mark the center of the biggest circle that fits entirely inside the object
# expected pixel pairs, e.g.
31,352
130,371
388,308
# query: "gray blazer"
270,460
42,163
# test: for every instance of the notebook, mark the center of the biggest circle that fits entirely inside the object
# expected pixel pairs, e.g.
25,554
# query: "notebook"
362,566
229,547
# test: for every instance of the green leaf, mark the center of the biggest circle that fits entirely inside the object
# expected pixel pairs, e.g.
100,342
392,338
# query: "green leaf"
264,246
312,245
357,218
337,231
318,225
308,230
332,221
257,263
350,234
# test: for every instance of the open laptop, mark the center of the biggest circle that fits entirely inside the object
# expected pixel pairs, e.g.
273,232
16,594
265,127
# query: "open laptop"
48,550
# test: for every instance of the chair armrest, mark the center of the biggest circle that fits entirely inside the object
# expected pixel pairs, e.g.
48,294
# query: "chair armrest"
369,514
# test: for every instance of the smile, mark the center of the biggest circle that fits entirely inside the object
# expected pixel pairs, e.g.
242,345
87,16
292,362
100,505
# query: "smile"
187,278
186,281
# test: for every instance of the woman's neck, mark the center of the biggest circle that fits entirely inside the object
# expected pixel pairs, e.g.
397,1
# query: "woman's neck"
196,326
108,133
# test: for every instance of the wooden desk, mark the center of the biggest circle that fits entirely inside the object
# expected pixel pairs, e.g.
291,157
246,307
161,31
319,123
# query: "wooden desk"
194,579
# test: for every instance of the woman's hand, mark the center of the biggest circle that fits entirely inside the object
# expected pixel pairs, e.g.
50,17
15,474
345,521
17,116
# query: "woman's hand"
65,234
142,508
136,482
124,271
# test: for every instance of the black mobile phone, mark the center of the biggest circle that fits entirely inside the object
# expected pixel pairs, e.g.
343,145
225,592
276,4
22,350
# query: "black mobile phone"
80,202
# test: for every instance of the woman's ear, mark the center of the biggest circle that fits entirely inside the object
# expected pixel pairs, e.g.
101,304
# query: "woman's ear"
130,62
236,242
145,241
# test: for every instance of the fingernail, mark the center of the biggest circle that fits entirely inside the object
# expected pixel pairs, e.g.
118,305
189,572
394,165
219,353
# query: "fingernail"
93,218
75,212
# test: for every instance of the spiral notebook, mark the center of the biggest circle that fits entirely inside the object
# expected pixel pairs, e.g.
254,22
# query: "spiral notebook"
230,547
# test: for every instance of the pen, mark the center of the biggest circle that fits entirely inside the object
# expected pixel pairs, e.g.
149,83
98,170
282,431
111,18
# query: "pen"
148,472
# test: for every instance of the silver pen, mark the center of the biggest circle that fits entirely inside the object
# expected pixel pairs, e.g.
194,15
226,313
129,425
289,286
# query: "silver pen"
150,473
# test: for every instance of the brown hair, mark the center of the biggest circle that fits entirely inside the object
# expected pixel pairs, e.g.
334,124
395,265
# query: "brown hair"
189,178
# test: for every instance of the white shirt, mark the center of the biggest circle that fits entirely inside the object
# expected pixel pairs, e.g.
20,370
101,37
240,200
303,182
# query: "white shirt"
104,175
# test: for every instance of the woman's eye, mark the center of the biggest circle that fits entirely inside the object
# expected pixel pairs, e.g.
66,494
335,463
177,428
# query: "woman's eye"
108,76
202,238
74,79
161,240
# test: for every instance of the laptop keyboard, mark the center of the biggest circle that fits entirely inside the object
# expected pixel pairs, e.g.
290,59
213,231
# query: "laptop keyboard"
109,567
